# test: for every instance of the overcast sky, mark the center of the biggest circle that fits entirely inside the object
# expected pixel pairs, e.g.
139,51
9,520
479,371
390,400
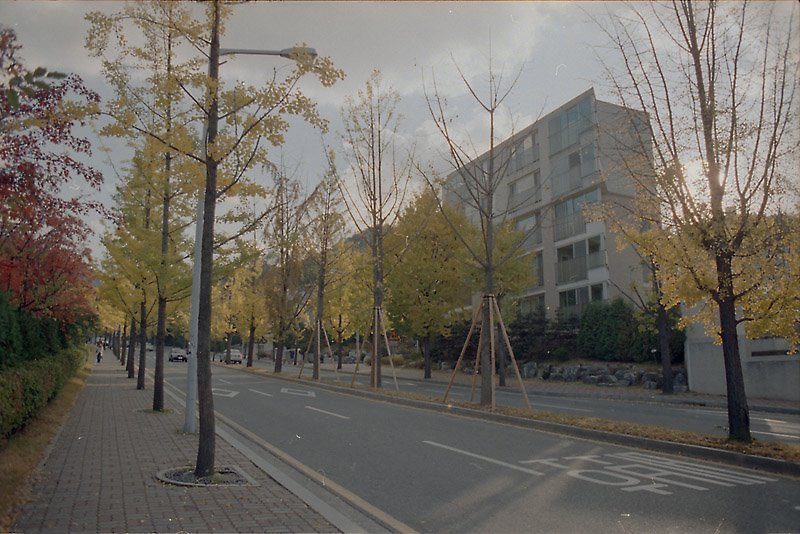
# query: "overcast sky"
556,44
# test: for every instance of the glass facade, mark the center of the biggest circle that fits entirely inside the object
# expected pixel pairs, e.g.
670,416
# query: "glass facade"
565,128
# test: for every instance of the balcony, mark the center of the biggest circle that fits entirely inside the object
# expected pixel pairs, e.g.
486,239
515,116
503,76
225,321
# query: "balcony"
572,270
569,226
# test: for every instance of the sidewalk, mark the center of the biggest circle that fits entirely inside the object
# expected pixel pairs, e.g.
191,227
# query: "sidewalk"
100,475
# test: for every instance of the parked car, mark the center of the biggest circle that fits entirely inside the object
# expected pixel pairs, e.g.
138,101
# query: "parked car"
150,347
236,356
177,355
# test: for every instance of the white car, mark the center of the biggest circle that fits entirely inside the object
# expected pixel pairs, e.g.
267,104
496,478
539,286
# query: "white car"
177,355
235,357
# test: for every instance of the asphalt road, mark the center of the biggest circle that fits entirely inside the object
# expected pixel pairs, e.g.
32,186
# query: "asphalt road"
438,472
783,428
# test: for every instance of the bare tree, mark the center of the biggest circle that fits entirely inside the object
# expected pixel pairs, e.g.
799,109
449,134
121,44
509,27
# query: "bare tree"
288,286
476,187
382,177
325,232
718,80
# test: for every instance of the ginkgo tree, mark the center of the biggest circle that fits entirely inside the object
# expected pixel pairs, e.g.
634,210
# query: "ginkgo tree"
381,170
430,277
325,232
474,186
348,297
289,282
239,123
719,81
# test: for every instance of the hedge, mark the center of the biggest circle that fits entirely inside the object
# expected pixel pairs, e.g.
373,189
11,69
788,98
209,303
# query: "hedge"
25,389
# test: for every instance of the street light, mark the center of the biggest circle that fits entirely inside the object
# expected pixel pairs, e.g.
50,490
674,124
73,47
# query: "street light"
294,53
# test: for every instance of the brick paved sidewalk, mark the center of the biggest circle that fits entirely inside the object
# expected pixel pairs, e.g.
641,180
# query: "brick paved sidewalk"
100,475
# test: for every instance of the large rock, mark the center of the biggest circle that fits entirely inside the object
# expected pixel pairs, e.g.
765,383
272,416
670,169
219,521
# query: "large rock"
607,380
530,370
590,379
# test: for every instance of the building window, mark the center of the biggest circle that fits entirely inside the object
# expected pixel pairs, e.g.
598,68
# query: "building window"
571,263
596,292
565,128
573,301
596,254
538,269
569,218
529,225
574,159
525,153
532,305
570,169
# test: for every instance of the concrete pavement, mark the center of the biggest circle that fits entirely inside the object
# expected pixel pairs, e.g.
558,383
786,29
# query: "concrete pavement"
100,473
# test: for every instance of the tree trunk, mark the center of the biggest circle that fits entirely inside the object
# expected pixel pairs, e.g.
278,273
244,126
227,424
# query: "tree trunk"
131,348
486,357
143,344
500,348
207,444
339,344
251,341
228,337
738,411
123,348
158,379
426,355
279,357
666,354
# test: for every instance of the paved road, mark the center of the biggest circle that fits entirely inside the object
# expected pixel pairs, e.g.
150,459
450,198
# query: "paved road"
779,427
436,472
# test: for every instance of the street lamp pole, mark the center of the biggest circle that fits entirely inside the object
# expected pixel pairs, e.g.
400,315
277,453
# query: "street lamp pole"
293,53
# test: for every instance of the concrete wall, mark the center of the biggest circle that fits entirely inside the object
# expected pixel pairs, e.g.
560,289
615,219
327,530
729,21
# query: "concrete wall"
769,373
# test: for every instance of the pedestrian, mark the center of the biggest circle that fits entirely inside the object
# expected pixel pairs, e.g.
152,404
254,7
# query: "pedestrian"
99,352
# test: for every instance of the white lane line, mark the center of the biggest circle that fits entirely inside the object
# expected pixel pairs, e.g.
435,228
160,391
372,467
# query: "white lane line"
261,393
775,434
725,414
537,404
224,381
484,458
327,413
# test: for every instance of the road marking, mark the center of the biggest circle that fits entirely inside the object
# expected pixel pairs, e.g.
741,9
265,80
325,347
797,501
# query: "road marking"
537,404
224,392
327,413
484,458
224,381
694,471
298,392
261,393
775,434
636,471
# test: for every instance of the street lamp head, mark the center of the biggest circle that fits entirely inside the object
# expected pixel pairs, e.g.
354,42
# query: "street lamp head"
296,52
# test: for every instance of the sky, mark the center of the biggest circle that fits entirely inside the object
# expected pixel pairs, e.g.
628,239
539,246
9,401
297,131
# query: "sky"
556,46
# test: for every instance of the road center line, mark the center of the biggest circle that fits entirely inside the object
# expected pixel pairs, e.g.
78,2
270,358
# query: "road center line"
484,458
327,413
261,393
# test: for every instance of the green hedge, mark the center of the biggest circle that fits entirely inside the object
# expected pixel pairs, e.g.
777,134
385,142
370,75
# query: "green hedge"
25,389
24,338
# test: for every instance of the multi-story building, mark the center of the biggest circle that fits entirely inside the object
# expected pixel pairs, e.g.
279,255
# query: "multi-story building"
581,153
